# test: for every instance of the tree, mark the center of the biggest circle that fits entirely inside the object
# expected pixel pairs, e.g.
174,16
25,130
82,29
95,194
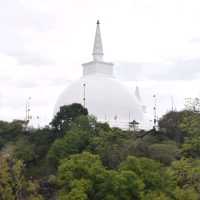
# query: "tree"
190,124
83,176
155,196
73,142
41,139
124,185
24,150
13,184
77,139
152,174
169,126
66,115
165,152
78,191
191,148
9,131
186,172
76,174
186,194
192,104
112,146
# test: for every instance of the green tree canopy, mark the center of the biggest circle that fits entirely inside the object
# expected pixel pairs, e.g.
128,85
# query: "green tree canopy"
83,176
13,184
66,115
151,172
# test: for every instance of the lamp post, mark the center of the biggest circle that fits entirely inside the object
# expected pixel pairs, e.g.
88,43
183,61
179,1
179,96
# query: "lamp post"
84,100
38,122
155,112
28,109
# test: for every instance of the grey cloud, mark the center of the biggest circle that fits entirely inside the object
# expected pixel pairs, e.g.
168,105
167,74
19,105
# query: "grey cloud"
59,81
25,84
30,58
15,15
16,83
195,40
7,102
14,19
33,83
182,70
14,46
174,70
128,71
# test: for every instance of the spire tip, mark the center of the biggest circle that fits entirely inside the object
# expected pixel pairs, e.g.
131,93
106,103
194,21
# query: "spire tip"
98,47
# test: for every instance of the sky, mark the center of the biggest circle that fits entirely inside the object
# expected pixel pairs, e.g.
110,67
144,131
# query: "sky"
154,44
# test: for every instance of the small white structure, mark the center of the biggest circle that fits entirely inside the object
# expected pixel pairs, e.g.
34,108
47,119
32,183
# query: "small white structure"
98,90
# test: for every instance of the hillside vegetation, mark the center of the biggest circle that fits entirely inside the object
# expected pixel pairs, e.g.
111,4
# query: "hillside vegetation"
78,158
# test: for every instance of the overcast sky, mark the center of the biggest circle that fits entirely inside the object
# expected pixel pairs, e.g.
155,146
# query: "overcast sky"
155,44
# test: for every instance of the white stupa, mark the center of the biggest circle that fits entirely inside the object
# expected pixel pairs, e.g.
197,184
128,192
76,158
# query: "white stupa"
98,90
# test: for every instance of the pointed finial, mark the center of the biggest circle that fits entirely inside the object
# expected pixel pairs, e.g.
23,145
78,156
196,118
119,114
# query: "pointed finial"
98,47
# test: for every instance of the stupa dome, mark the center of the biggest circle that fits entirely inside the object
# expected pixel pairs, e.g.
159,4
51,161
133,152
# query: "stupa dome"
104,96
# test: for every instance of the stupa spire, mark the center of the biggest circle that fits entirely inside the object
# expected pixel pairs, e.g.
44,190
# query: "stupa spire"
98,46
97,65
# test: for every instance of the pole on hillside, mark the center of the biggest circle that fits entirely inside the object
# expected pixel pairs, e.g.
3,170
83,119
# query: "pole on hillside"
84,100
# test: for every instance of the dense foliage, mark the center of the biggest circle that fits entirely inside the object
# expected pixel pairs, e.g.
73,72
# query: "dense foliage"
79,158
